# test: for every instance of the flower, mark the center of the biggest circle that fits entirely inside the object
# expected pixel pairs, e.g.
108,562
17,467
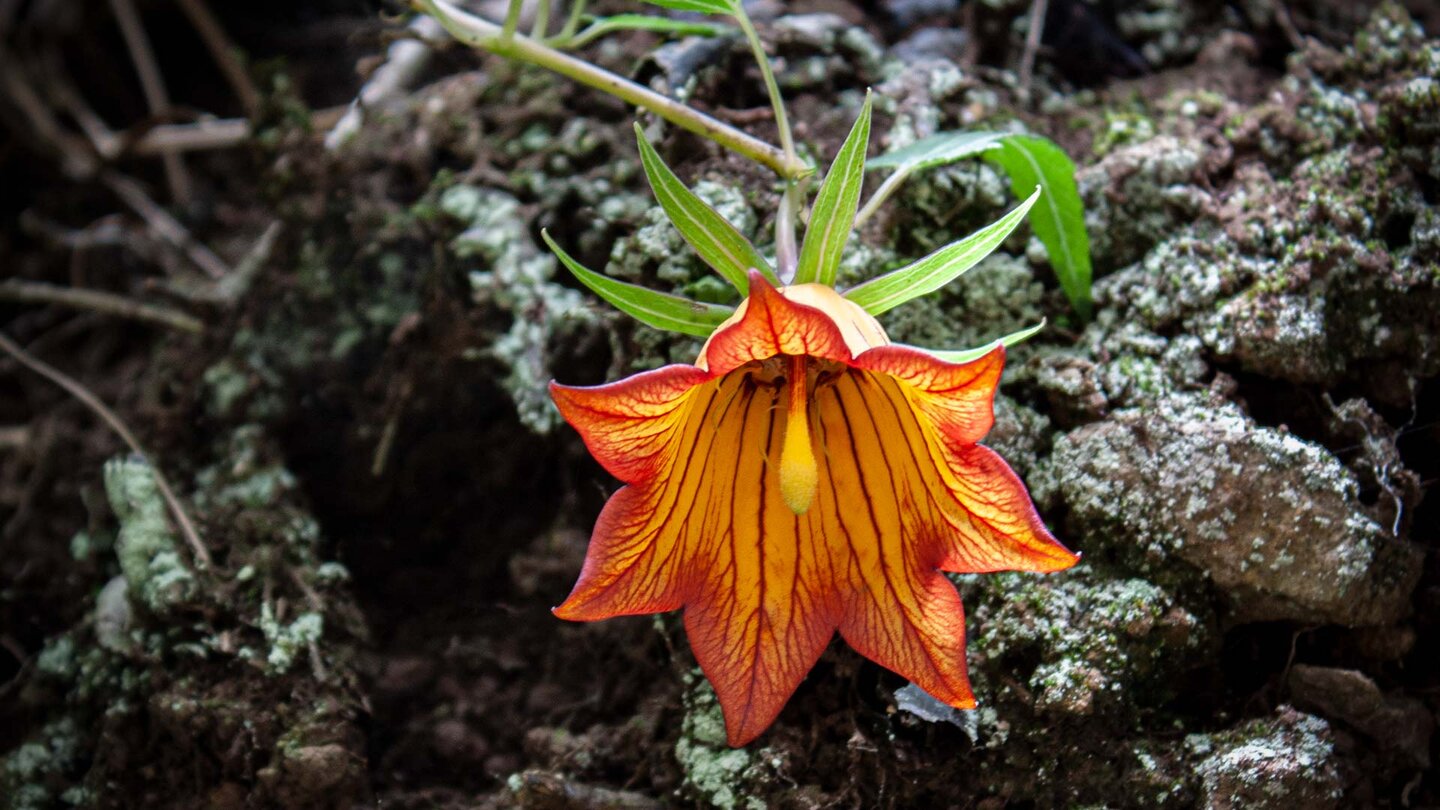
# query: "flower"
804,476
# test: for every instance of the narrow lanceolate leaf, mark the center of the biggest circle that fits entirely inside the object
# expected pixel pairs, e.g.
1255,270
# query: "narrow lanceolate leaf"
939,268
697,6
717,241
937,150
1059,220
669,312
971,355
645,22
833,215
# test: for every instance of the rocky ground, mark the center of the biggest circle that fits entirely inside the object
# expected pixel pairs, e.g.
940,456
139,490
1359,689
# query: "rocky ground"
1240,442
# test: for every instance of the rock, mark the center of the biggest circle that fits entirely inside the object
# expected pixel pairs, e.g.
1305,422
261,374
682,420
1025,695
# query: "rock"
948,44
1103,645
1274,522
320,776
1070,386
541,790
1283,762
906,13
1138,194
1397,722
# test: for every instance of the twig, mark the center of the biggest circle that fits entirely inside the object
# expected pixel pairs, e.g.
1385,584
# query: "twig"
14,437
98,301
229,290
89,400
153,86
165,226
404,62
480,33
224,52
76,160
1038,8
205,134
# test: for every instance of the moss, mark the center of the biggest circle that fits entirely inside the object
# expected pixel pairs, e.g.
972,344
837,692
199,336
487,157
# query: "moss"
1120,129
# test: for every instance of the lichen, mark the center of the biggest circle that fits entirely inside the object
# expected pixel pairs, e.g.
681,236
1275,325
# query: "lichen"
146,546
1101,643
1285,761
516,277
41,773
1174,481
719,775
288,640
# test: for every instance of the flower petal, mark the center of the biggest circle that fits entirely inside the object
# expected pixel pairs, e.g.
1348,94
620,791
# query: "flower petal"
763,607
899,501
957,398
650,431
768,324
628,425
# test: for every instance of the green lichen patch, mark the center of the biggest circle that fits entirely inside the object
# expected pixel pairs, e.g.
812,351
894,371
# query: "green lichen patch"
146,547
722,777
1288,760
1103,645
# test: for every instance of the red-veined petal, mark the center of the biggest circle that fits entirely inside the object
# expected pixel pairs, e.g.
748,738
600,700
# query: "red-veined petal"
768,324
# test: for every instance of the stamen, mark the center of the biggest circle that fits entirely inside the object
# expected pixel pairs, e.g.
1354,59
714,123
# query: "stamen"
798,473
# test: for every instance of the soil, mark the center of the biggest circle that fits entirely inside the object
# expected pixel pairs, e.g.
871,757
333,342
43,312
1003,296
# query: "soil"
1241,441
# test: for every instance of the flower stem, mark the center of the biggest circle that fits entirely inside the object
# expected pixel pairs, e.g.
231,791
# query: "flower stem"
787,252
881,194
512,18
542,20
782,122
572,23
480,33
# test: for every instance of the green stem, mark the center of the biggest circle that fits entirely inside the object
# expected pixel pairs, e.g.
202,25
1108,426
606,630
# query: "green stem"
572,23
512,18
893,182
782,122
542,20
480,33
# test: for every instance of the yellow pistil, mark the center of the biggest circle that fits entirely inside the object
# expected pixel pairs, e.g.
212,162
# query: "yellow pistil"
798,473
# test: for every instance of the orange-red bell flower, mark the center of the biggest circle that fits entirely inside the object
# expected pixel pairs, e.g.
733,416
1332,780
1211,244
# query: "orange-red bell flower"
804,476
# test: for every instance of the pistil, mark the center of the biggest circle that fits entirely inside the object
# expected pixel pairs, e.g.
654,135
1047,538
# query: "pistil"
798,473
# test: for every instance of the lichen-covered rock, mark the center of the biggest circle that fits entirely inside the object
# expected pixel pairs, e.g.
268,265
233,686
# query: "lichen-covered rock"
517,278
1273,521
1281,762
1138,194
1103,644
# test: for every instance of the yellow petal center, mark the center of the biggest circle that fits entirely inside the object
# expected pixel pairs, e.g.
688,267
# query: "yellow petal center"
798,473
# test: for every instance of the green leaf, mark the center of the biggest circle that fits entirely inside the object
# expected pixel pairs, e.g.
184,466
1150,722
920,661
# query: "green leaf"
939,268
969,355
718,243
937,150
833,215
669,312
698,6
1059,220
643,22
